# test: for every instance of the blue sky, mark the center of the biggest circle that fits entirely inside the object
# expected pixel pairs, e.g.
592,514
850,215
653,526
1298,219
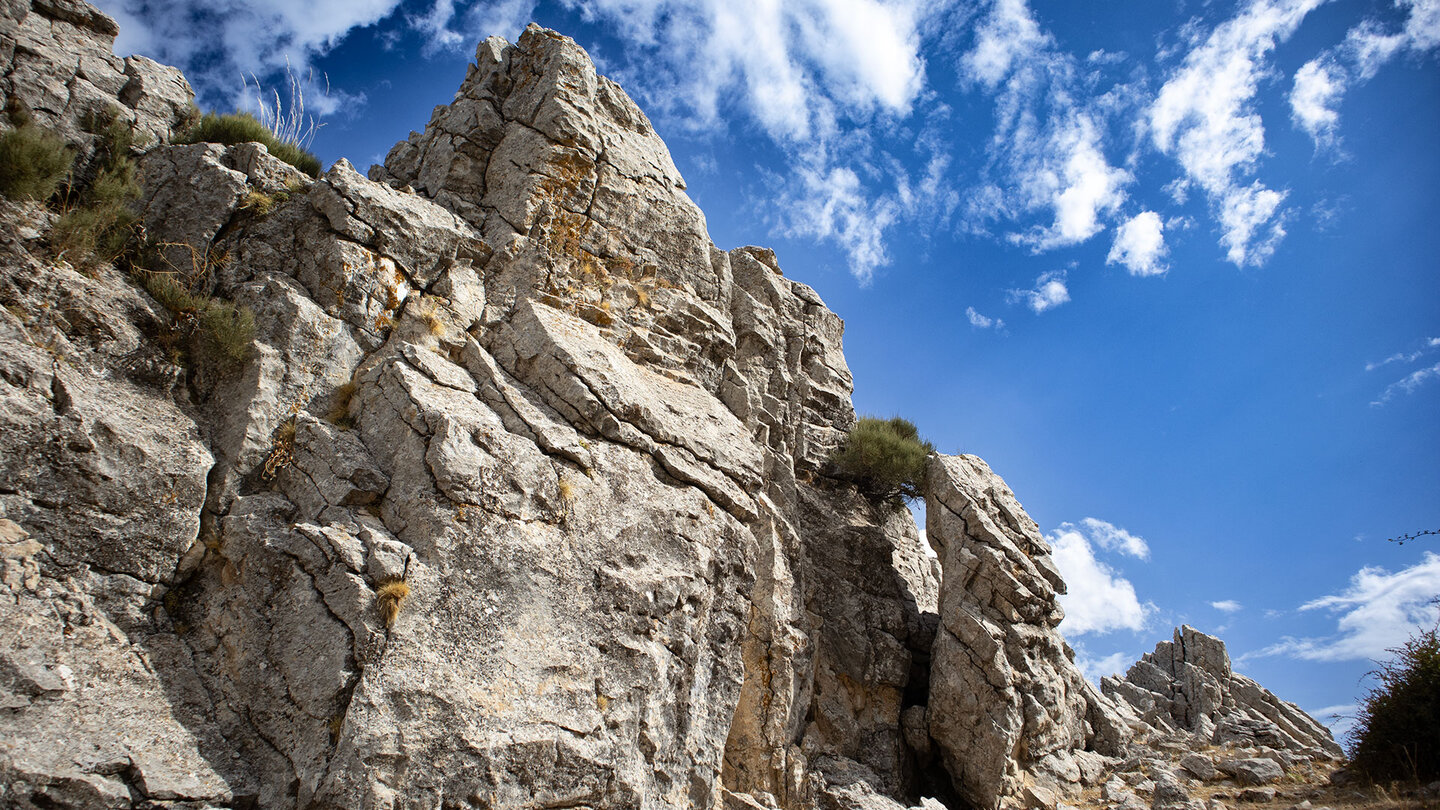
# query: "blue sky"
1169,267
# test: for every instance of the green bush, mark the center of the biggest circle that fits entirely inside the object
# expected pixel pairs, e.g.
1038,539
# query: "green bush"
246,128
32,163
1398,731
886,458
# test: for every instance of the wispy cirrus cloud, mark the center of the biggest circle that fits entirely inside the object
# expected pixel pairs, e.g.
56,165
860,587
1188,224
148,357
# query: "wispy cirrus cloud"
1411,382
1377,612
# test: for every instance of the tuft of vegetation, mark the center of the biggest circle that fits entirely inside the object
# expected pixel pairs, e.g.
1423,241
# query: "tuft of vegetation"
224,332
388,599
242,127
32,163
98,225
1397,736
886,458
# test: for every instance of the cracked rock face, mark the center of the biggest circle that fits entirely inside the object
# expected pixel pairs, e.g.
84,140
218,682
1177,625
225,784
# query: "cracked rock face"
1005,695
1186,686
516,497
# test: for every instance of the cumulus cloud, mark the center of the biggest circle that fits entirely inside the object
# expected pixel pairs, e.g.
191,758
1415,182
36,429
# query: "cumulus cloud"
1100,599
1378,611
1140,245
982,322
1227,606
1007,36
1205,117
1113,538
1049,292
1096,667
1318,87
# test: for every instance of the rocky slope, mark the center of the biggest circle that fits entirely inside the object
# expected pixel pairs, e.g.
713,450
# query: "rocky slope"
518,498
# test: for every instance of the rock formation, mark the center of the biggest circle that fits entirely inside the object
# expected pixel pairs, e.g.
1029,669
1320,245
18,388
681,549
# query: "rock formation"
1187,685
517,496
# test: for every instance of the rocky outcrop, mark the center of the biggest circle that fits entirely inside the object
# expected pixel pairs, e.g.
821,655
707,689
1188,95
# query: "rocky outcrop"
1187,685
57,56
1006,698
515,498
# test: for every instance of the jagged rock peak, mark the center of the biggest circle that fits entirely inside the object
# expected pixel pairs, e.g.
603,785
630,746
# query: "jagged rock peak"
1187,685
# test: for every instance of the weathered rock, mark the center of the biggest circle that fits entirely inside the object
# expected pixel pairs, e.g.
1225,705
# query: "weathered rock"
56,57
1199,765
515,498
1187,684
1253,771
1257,795
1002,680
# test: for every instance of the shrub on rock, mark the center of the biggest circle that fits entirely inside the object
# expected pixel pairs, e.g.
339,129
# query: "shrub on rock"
246,128
886,458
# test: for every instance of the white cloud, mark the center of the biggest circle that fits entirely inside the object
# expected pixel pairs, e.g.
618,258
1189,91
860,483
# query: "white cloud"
1227,605
1408,384
1048,150
1318,87
1049,292
216,42
1099,598
1340,719
1205,117
1140,245
1113,538
982,322
1377,612
1322,82
1096,668
1406,357
1008,35
827,202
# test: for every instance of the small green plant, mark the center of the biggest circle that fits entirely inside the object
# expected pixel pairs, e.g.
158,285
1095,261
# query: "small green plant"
242,127
886,458
1397,734
32,163
224,331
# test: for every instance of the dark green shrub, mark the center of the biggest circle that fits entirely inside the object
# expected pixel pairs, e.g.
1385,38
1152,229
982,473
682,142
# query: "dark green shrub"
32,163
1398,731
246,128
886,458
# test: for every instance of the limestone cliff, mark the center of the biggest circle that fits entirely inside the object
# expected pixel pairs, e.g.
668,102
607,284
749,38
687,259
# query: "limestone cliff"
517,498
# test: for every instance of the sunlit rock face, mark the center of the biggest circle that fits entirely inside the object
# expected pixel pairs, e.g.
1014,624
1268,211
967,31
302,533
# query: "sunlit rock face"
517,496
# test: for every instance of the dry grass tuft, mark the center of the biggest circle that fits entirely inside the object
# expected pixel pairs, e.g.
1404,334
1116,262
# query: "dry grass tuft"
388,598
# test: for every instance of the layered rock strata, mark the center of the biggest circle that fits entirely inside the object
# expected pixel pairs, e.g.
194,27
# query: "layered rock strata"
517,497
